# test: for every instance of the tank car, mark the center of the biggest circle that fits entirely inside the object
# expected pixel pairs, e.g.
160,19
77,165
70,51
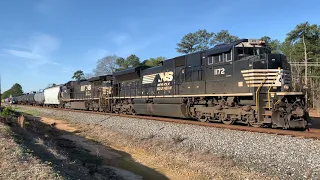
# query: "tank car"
241,82
22,99
30,98
39,98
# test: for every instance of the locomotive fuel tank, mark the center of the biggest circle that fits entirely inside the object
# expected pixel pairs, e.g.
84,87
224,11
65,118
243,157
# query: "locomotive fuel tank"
167,110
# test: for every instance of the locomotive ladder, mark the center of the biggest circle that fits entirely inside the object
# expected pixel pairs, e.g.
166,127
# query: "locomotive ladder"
263,103
258,102
104,103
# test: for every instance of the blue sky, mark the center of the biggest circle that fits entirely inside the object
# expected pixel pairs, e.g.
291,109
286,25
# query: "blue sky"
45,41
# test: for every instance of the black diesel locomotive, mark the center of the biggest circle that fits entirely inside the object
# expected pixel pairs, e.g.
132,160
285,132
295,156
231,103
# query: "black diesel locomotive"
240,82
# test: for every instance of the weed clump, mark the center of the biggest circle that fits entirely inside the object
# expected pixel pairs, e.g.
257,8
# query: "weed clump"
7,115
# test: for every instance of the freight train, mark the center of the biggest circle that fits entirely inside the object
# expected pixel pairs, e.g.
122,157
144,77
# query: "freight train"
241,82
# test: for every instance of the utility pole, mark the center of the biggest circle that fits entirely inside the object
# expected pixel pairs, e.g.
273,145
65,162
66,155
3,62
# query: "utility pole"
306,68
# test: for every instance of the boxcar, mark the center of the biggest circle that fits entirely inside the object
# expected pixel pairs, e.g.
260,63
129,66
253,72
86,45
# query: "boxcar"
52,96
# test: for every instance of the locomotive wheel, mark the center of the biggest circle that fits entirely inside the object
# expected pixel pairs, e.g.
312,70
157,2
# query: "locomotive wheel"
251,121
225,119
200,117
252,124
203,119
132,111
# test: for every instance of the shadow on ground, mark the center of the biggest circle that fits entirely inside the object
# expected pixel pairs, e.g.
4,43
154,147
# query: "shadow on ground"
75,157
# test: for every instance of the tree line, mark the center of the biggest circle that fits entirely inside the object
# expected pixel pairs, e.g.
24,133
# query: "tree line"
190,43
15,90
113,63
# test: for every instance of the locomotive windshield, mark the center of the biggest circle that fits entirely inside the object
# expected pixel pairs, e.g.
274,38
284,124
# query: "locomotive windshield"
246,49
249,51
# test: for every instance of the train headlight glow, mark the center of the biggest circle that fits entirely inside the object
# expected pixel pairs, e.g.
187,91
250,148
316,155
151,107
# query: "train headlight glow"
286,87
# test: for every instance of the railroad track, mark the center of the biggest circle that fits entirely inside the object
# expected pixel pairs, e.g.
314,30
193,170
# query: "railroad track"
311,133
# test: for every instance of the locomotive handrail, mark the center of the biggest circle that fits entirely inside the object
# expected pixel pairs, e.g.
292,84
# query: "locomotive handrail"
275,78
257,91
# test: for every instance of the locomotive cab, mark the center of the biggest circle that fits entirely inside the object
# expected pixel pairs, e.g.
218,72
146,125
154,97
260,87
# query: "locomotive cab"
256,62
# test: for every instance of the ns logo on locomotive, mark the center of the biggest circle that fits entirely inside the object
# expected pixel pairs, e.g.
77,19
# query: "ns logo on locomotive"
241,82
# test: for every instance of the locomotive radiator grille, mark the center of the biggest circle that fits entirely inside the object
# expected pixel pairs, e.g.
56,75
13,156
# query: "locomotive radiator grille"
255,77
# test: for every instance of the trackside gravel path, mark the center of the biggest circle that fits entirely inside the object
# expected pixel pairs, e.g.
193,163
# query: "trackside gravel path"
271,156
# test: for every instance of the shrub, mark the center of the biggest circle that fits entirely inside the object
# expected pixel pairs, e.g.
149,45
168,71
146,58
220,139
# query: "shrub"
7,112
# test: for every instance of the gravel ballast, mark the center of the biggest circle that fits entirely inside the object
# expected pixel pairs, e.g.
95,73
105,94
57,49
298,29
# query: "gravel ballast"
284,157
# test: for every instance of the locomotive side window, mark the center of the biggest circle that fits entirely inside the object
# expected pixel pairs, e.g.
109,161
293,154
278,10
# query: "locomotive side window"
228,56
210,60
240,51
218,58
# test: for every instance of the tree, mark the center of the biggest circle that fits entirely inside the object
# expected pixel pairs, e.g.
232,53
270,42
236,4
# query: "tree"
300,33
223,37
302,47
106,65
154,61
133,60
15,90
130,61
78,75
274,44
122,63
193,42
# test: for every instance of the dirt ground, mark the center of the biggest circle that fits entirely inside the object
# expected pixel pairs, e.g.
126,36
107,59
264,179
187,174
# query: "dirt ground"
149,158
53,149
113,156
84,151
17,162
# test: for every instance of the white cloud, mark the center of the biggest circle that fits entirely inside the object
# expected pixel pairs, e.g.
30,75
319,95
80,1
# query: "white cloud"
22,54
44,6
118,38
123,44
67,70
36,50
96,53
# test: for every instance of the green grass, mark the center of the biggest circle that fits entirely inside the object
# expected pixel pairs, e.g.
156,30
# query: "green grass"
29,111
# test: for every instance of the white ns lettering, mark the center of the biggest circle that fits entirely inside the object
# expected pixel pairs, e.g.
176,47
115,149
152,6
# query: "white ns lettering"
165,76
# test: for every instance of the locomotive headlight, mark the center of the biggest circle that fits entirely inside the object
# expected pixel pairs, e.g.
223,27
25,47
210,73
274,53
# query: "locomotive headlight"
286,87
